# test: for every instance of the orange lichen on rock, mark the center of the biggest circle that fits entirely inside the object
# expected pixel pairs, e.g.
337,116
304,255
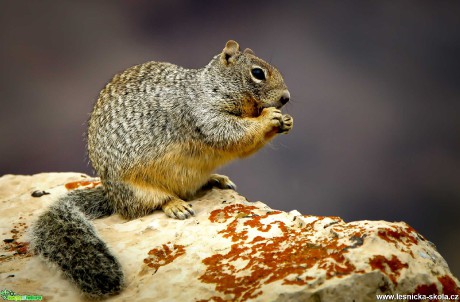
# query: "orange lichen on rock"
164,255
13,245
406,236
426,289
402,237
449,287
220,215
84,183
20,249
255,222
286,256
390,267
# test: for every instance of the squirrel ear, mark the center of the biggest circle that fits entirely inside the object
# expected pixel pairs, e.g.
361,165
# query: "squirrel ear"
249,51
229,52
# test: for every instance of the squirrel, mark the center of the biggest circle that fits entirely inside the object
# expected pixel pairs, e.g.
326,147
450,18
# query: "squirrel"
155,135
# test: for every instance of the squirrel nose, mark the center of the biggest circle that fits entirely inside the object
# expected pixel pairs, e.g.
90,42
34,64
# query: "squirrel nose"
285,97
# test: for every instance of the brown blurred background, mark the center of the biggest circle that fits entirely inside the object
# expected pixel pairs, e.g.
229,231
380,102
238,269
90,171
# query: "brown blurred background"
375,96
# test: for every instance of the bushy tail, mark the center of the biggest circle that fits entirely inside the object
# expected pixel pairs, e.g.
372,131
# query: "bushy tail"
63,235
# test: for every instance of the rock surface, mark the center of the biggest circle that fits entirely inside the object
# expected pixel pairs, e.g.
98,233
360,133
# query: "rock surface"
232,250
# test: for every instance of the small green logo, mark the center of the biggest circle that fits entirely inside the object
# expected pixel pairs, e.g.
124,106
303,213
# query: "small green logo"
10,295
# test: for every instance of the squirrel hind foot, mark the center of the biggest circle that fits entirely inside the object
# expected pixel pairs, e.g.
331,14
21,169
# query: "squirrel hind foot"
219,181
177,208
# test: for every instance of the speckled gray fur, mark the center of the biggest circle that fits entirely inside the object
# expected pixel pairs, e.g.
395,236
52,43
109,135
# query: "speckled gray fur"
155,135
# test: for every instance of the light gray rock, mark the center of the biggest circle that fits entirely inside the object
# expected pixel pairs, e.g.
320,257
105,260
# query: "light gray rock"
232,250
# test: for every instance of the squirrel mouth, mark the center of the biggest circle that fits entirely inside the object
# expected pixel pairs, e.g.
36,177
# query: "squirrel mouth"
261,105
277,105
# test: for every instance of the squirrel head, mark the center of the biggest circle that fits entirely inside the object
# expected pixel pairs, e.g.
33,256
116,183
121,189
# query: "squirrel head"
249,81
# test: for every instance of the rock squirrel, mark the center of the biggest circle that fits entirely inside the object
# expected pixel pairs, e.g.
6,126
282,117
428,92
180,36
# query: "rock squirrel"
155,136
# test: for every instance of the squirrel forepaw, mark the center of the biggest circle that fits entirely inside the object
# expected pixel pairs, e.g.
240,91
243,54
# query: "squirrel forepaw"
178,209
273,116
287,123
282,122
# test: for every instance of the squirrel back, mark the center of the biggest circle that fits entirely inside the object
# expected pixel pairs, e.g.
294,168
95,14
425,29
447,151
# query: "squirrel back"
156,134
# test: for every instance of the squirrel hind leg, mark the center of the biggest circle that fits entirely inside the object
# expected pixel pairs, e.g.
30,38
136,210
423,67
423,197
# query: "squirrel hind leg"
215,181
64,236
133,200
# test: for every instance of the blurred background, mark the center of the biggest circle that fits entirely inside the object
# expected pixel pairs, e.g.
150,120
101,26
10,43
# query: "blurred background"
375,92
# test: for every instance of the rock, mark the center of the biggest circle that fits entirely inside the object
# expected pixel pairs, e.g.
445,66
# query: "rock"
232,250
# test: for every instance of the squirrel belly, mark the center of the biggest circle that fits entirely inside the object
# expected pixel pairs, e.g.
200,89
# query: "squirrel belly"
156,134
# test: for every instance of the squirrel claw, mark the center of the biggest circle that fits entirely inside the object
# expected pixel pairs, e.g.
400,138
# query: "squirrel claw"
178,209
287,123
221,182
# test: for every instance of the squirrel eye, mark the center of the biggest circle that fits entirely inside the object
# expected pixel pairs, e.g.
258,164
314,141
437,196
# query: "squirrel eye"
258,73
